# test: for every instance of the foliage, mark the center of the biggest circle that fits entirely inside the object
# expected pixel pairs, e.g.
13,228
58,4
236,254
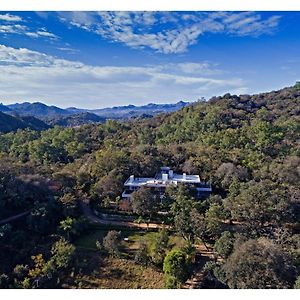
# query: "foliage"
62,253
142,256
159,246
144,202
111,243
176,266
297,283
224,245
259,264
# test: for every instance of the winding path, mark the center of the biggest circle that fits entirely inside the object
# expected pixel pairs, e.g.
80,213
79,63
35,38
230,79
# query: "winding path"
88,213
15,217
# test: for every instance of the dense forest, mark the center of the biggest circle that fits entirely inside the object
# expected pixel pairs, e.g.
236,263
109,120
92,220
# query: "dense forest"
245,235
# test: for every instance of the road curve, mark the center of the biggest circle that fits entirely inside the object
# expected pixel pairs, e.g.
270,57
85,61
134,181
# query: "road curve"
97,220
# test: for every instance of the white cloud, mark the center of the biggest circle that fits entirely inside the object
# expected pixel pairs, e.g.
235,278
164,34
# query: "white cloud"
10,18
6,27
143,29
27,75
15,28
41,33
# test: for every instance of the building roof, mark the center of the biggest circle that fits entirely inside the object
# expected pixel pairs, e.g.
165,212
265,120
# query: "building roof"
158,181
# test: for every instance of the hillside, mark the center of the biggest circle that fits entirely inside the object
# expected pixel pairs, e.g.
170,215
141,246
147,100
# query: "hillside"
75,120
13,123
245,234
36,109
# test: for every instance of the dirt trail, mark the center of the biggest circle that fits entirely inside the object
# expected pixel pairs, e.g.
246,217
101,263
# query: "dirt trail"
15,217
198,273
97,220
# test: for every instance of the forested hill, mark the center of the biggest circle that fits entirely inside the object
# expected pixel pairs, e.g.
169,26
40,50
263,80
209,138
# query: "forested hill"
247,146
228,114
13,123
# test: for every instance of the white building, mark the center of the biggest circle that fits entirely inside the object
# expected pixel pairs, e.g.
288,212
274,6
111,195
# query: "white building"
164,178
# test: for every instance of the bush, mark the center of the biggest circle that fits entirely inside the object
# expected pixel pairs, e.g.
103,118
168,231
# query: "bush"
171,282
176,265
4,281
111,243
142,257
224,245
297,283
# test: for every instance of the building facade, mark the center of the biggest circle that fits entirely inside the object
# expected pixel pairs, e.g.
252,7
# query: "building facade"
164,178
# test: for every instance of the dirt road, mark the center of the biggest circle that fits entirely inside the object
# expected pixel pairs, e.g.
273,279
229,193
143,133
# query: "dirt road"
97,220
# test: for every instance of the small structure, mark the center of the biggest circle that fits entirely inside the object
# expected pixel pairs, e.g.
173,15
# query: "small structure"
164,178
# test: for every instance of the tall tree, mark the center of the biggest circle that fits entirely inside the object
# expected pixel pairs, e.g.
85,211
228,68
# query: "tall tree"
259,264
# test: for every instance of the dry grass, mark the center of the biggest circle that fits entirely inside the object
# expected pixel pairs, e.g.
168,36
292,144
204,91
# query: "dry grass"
120,274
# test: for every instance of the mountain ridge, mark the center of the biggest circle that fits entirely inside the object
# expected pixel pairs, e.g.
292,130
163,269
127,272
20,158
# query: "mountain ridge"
50,113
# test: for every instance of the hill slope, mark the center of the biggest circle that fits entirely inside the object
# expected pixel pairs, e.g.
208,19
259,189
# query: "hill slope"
75,120
13,123
37,109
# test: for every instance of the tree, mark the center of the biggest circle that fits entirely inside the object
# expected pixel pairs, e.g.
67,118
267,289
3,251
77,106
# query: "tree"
109,186
68,227
144,202
258,203
72,227
176,266
39,268
20,271
141,256
224,245
214,217
41,218
4,281
181,210
297,283
159,246
111,243
199,226
62,254
259,264
69,203
228,171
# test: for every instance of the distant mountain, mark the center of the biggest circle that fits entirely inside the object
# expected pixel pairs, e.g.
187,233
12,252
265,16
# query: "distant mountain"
73,116
76,120
129,111
12,123
37,109
4,108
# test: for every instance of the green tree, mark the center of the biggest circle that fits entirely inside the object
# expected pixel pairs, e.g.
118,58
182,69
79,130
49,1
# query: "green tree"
259,202
4,281
181,211
144,202
224,245
62,254
159,246
112,243
142,256
297,283
214,217
176,266
259,264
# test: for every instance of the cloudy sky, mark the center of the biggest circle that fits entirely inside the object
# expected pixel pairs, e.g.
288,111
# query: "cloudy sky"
102,59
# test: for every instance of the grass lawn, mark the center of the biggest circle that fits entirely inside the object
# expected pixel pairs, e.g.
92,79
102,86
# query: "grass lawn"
134,236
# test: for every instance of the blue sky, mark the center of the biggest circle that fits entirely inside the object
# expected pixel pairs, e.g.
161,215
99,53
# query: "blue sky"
102,59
